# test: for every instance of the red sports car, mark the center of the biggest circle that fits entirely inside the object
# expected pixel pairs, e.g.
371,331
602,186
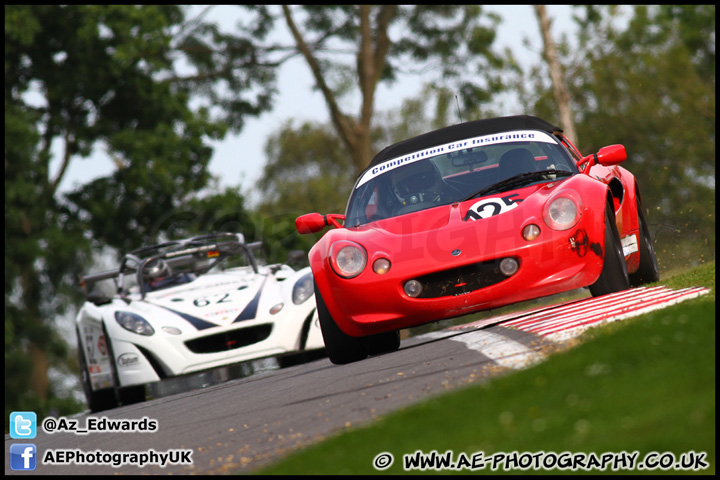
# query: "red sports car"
472,217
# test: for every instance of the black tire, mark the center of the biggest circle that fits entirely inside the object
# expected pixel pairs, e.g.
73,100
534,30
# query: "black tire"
99,400
340,347
648,271
383,343
130,395
614,275
123,395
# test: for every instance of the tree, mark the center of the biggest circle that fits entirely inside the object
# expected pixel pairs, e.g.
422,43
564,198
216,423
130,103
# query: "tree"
649,84
562,98
84,77
308,169
312,168
381,42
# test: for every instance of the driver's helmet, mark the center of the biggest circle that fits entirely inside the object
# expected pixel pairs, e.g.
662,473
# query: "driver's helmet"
417,183
155,270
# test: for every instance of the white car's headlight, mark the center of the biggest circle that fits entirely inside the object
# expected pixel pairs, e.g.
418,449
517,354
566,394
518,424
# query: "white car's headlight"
303,289
347,258
563,212
134,323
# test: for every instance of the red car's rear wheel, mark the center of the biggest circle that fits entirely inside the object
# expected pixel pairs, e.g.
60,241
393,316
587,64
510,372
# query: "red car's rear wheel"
614,275
648,271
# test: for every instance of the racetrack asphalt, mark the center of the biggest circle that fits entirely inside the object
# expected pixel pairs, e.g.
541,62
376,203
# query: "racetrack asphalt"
242,424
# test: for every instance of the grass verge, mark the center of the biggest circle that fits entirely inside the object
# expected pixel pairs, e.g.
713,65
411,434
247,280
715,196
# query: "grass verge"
644,385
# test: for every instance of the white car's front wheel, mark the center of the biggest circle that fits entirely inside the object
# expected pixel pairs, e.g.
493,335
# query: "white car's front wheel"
123,395
97,400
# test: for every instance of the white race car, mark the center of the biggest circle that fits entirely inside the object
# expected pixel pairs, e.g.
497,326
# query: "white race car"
186,306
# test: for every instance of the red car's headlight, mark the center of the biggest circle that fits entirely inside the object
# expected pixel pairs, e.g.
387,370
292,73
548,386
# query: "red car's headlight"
563,212
347,258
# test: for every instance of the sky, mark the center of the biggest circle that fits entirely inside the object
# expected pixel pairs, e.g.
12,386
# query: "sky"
239,158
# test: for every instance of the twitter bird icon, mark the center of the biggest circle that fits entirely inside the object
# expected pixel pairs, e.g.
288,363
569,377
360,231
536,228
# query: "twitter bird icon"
23,425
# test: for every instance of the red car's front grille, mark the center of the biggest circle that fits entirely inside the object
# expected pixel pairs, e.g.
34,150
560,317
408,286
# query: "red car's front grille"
461,280
230,340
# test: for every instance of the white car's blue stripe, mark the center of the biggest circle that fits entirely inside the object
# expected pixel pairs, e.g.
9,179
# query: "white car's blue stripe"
196,322
251,309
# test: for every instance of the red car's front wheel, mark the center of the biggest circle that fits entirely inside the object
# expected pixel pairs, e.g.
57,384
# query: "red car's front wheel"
340,347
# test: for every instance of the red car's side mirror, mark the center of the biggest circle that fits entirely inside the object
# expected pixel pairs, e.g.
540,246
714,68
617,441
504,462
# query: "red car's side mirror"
314,222
606,156
611,155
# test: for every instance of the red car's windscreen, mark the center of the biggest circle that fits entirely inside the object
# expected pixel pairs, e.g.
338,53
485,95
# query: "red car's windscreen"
454,172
